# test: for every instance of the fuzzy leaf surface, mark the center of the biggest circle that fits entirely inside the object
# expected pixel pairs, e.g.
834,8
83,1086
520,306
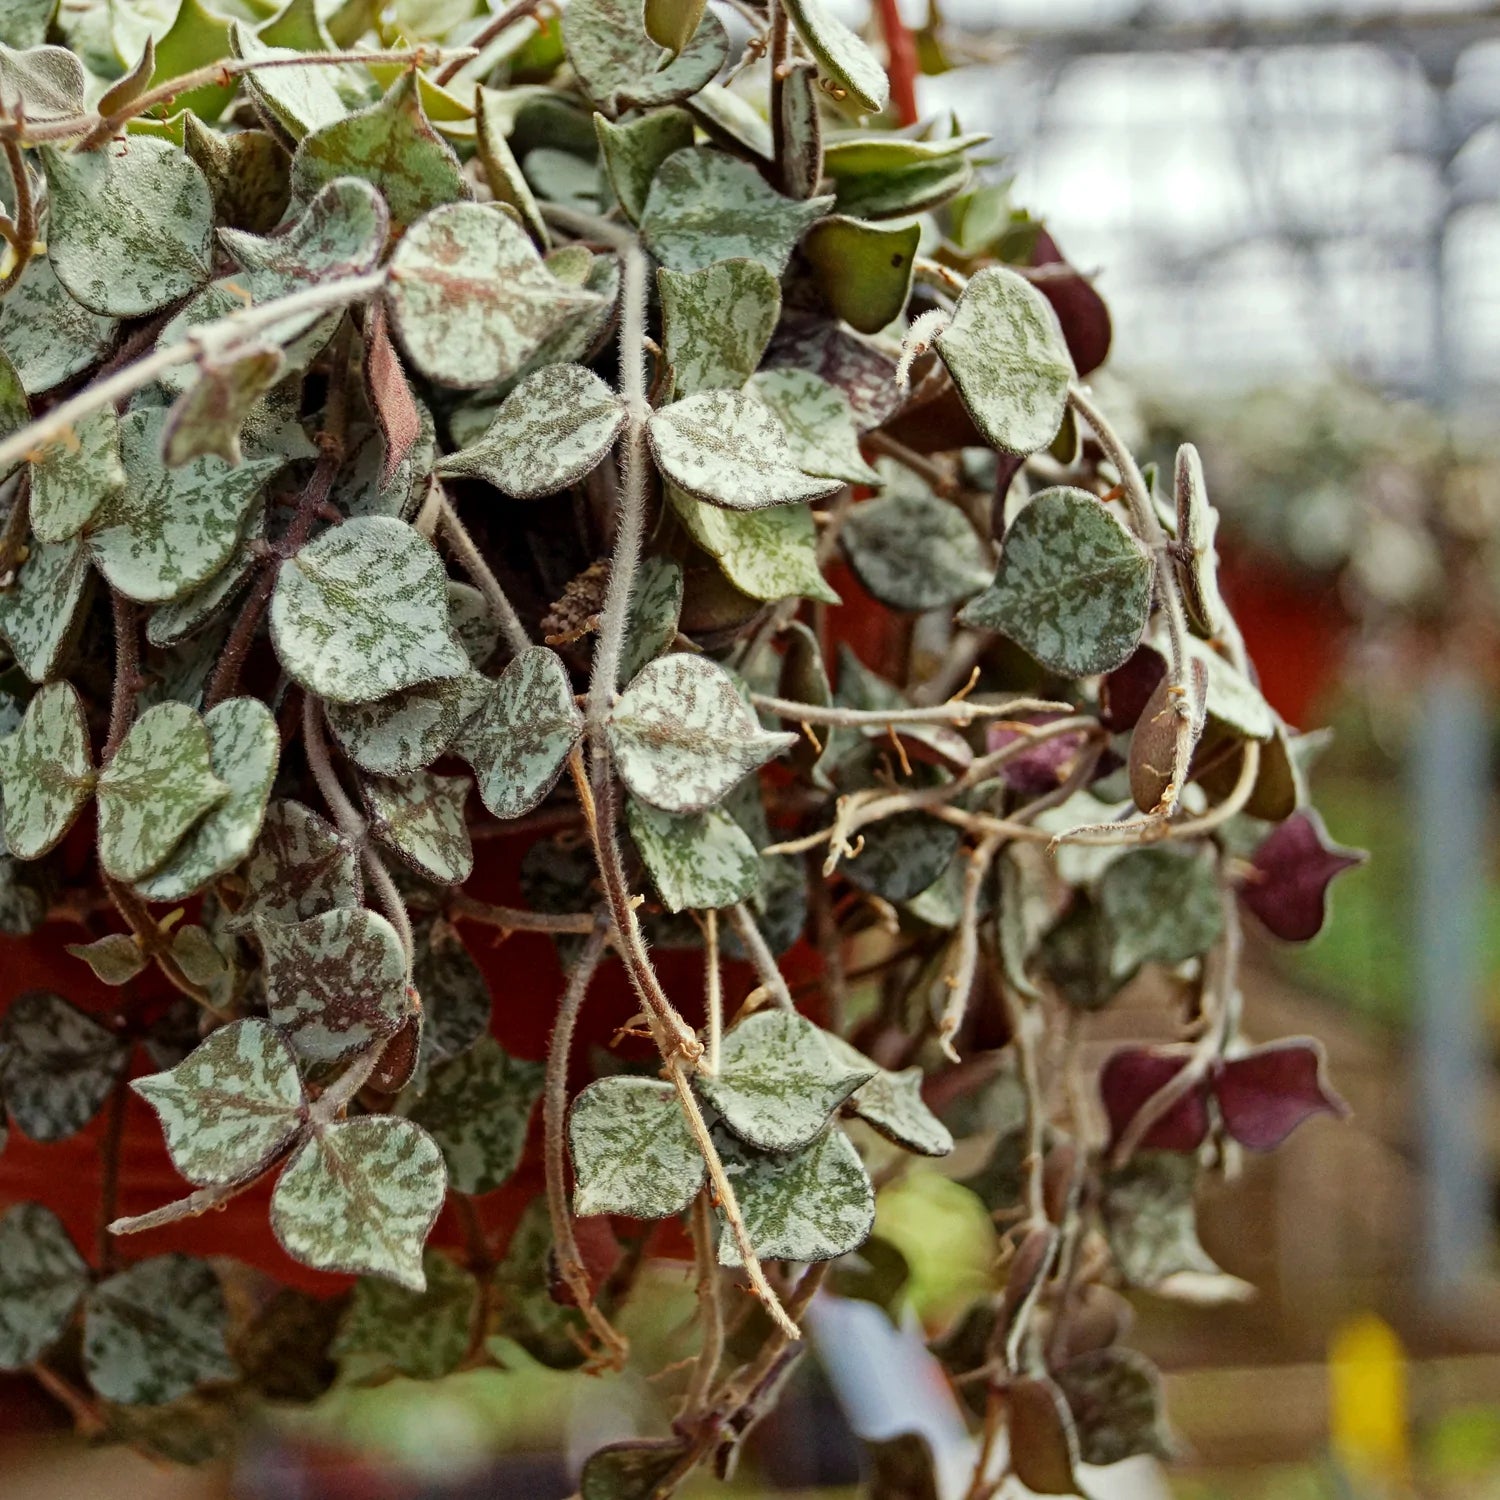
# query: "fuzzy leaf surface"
42,609
914,551
892,1103
766,554
392,1330
632,1150
301,866
717,322
698,861
46,770
421,817
42,1279
73,477
409,729
619,65
522,738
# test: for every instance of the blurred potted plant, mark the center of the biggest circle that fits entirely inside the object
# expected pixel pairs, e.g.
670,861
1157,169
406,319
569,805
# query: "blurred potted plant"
303,315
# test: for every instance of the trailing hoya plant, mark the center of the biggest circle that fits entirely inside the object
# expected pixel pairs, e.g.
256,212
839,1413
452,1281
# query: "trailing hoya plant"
419,425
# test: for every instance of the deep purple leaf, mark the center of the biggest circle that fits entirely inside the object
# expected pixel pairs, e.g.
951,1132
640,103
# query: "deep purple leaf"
1045,766
1125,692
1131,1076
1287,884
1268,1092
1079,308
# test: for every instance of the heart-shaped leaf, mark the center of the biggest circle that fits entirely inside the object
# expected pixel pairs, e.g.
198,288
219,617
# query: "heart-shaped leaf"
58,1065
116,958
864,271
299,99
818,423
851,68
727,448
912,550
42,609
40,84
360,1196
903,855
1006,354
156,1331
46,771
421,817
1266,1093
390,1330
892,1102
229,1108
814,1205
522,738
335,983
632,1150
681,734
1043,1444
160,782
765,554
171,529
634,150
362,612
778,1083
470,298
243,748
410,729
1287,884
1073,587
301,866
477,1107
632,1470
129,227
42,1279
717,322
1131,1076
1152,1227
700,861
46,334
705,206
555,427
247,172
74,475
619,65
655,609
1115,1399
1159,906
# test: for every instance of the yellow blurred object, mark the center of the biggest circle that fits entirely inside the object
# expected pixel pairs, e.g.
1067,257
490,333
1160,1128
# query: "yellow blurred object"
1367,1401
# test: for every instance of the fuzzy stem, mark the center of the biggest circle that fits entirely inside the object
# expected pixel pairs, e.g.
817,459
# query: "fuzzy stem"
127,673
710,1310
484,36
472,560
514,919
957,711
743,921
21,233
713,992
960,977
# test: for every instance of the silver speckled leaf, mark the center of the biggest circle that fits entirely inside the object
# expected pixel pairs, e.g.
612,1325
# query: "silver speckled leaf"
632,1150
681,734
243,748
300,100
231,1106
555,427
57,1065
74,474
362,611
818,422
156,1331
892,1103
360,1196
1159,906
778,1083
477,1107
767,554
814,1205
728,449
1073,587
159,784
335,983
410,729
697,861
130,227
619,65
391,1330
48,335
46,771
42,1279
655,610
632,152
1006,354
301,866
41,611
717,322
421,817
522,739
843,59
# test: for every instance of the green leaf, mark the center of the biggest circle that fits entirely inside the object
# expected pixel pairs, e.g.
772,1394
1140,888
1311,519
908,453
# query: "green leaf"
767,554
1006,354
41,611
801,146
892,1103
727,448
160,782
409,729
41,84
891,176
301,866
551,1333
74,475
705,206
502,171
360,1196
57,1064
421,817
26,22
671,23
864,271
655,609
842,57
633,151
170,530
681,734
42,1279
156,1331
244,748
362,611
130,227
116,958
230,1108
630,1470
818,423
46,771
248,173
1115,1399
632,1150
1073,587
470,298
477,1108
619,65
555,427
1151,1224
521,740
903,855
299,100
47,335
393,146
1159,906
390,1330
699,861
1232,698
455,996
778,1082
196,37
335,983
814,1205
912,550
717,322
206,419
